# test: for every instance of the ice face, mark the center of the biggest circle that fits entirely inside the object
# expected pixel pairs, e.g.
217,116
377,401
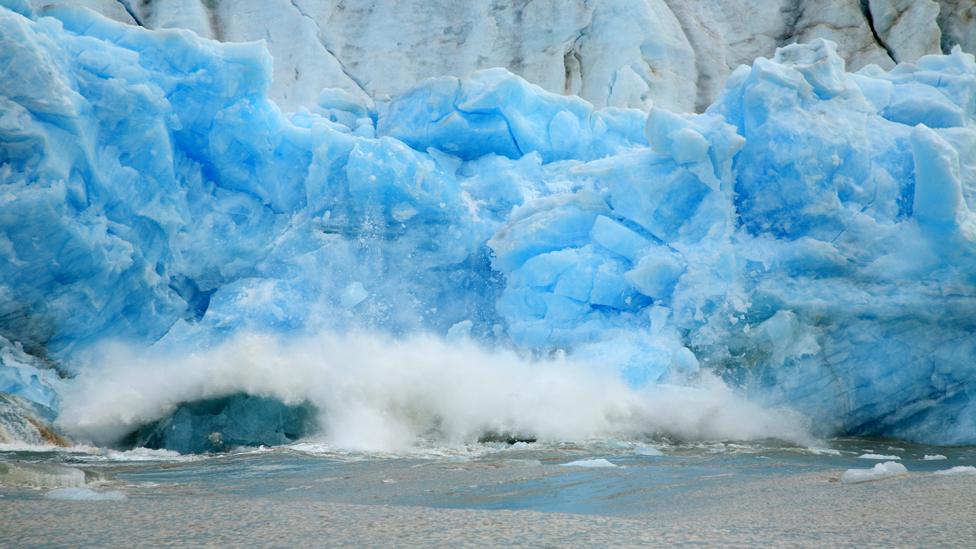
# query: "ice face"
621,53
809,237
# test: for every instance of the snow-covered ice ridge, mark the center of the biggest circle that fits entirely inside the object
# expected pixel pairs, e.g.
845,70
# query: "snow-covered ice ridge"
620,53
810,237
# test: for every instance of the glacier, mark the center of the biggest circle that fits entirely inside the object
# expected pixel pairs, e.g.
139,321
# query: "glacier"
622,53
809,238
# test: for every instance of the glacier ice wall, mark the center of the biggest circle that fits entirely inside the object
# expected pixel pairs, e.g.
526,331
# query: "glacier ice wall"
810,237
625,53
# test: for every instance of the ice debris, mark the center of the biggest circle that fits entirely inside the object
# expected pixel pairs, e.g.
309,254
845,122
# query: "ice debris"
880,471
958,470
85,494
810,237
596,463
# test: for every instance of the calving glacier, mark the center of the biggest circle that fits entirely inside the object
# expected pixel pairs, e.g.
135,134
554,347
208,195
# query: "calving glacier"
478,256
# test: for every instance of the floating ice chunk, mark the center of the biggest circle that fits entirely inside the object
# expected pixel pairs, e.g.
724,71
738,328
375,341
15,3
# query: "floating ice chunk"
878,457
958,470
934,457
593,463
880,471
85,494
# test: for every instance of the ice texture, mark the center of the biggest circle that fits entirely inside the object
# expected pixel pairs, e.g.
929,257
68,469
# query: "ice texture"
622,53
810,237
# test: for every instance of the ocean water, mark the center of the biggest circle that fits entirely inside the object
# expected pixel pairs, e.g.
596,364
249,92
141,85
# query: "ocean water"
531,494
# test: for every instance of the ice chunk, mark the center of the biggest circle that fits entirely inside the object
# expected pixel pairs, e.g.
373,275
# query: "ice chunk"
878,457
880,471
958,470
595,463
656,273
85,494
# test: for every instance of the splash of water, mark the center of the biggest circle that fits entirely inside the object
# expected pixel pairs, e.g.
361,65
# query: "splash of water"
380,393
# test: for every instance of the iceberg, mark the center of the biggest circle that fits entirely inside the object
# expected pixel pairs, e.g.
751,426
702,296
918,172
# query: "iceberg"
810,237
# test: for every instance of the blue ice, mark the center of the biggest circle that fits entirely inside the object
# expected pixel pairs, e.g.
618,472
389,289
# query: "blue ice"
810,237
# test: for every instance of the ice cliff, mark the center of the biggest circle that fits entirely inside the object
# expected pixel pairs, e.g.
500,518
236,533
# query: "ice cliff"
809,237
622,53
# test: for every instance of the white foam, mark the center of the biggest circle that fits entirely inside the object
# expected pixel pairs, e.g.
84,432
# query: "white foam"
823,451
880,471
934,457
592,463
878,457
145,454
958,470
84,494
383,394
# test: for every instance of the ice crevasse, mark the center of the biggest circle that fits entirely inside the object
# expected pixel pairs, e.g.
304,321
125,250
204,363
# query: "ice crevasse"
810,237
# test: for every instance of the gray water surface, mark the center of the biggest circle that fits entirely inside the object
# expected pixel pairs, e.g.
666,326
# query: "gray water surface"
761,493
